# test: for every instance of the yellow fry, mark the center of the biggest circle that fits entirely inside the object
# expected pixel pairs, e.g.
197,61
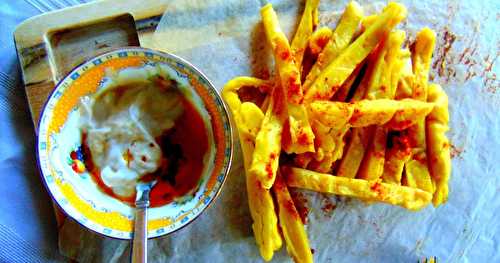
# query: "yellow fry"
304,31
332,77
264,217
315,18
372,166
288,71
329,136
332,114
343,91
438,146
406,79
340,39
252,117
369,74
268,142
356,148
421,61
230,90
397,71
332,152
339,142
392,113
367,21
421,58
410,198
409,113
357,158
248,118
301,137
340,116
392,52
292,227
398,152
319,39
325,145
417,171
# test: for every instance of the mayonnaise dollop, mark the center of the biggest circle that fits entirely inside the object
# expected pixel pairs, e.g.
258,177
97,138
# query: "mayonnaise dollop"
121,122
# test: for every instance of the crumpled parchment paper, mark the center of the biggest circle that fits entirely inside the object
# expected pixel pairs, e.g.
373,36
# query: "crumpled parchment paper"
225,39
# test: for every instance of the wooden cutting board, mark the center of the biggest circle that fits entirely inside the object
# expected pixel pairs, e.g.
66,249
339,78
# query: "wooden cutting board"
51,44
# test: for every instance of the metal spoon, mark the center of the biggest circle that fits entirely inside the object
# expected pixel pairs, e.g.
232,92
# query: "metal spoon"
140,242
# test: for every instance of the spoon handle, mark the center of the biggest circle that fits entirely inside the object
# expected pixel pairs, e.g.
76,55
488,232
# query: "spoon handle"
139,246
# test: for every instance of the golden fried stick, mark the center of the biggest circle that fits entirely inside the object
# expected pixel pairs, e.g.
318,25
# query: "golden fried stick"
292,227
438,146
410,198
372,166
248,118
304,31
364,113
287,69
325,144
299,138
398,152
338,133
356,148
370,82
332,77
343,91
421,59
319,39
358,159
327,137
357,145
268,141
367,21
406,79
340,39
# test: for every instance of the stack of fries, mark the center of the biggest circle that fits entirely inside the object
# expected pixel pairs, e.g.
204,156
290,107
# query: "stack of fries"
349,112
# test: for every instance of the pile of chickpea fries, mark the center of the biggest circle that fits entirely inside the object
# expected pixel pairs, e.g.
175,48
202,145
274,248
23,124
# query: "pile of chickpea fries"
350,111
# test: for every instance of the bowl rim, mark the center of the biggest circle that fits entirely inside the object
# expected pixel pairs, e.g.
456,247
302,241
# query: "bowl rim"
229,136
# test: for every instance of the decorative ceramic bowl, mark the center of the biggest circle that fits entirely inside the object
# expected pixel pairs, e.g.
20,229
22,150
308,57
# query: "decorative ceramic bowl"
75,191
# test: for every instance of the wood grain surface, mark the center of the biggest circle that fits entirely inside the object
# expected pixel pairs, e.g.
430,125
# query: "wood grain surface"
51,44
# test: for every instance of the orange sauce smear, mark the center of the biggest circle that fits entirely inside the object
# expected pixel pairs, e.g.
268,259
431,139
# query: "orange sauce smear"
190,134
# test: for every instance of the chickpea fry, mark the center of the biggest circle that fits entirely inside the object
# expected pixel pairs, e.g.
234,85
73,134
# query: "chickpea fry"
248,118
304,31
421,58
299,138
410,198
372,166
319,39
294,233
332,77
340,39
438,146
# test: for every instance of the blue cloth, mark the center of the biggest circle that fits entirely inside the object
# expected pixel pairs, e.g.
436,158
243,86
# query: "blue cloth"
28,231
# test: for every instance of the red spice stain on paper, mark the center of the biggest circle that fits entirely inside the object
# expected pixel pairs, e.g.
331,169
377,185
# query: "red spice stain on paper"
456,151
442,55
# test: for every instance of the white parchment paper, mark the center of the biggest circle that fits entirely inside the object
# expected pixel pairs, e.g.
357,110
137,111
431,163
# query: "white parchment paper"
225,39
